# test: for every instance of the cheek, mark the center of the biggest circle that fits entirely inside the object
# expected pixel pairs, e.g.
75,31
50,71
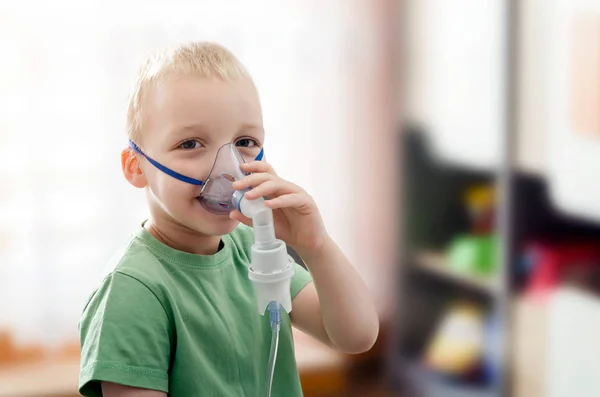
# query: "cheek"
196,168
169,189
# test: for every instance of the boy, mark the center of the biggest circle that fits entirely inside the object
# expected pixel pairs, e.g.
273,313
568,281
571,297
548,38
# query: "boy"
177,313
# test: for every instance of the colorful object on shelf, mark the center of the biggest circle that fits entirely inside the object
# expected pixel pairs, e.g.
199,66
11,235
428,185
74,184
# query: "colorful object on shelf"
457,345
475,255
492,355
550,264
480,201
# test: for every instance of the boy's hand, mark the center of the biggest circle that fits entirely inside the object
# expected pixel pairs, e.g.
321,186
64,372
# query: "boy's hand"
336,308
296,216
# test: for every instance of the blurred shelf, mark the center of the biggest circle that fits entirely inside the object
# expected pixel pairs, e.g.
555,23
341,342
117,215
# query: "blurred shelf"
49,379
423,384
436,264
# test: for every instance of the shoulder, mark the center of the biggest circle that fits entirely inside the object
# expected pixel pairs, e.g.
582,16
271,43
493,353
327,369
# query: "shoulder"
134,273
126,329
137,260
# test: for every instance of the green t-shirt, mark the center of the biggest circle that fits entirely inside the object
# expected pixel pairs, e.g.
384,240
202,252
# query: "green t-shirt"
184,324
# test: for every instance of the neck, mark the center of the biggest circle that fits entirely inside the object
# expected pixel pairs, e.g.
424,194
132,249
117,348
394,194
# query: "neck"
182,238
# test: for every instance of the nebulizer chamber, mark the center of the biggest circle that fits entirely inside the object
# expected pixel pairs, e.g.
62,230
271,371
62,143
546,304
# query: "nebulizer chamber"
271,269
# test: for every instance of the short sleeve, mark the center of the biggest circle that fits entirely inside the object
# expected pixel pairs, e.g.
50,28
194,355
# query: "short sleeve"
300,280
125,337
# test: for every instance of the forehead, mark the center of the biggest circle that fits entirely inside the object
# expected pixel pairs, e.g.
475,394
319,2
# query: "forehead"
219,109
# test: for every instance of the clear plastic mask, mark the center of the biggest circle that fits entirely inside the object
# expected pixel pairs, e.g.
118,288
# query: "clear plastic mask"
217,195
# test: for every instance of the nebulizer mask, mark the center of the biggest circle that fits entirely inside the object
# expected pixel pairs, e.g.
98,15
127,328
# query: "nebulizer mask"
217,195
270,268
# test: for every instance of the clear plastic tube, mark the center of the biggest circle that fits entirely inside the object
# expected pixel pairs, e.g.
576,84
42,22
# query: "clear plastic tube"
275,321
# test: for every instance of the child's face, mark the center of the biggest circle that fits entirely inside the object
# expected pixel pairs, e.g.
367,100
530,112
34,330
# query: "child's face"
186,120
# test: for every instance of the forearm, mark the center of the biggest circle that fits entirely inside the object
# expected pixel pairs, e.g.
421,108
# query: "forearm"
348,313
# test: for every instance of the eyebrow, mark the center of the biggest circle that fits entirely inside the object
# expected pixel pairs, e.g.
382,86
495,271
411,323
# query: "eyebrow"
181,130
203,129
249,126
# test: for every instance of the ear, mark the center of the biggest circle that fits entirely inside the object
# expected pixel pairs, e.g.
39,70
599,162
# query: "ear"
131,169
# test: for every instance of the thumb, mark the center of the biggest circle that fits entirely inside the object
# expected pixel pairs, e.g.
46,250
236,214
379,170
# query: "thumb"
238,216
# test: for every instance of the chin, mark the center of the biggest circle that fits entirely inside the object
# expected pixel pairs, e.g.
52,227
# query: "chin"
222,227
212,225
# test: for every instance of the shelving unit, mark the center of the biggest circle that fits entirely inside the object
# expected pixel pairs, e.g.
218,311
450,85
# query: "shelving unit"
435,264
530,361
434,213
430,386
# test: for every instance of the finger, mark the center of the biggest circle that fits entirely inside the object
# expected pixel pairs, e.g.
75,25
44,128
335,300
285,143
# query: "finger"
258,166
238,216
293,200
274,187
252,180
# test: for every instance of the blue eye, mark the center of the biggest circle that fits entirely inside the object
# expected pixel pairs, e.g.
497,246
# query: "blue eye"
191,144
246,142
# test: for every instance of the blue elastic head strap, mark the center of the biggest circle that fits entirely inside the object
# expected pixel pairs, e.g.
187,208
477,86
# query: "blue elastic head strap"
175,174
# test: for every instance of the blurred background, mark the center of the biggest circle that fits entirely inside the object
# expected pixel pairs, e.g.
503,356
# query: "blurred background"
464,136
500,255
65,72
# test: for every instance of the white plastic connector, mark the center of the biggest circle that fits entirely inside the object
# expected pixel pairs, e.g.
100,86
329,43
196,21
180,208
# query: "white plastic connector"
262,221
271,269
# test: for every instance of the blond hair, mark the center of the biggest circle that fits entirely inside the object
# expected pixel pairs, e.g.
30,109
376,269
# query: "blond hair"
201,59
